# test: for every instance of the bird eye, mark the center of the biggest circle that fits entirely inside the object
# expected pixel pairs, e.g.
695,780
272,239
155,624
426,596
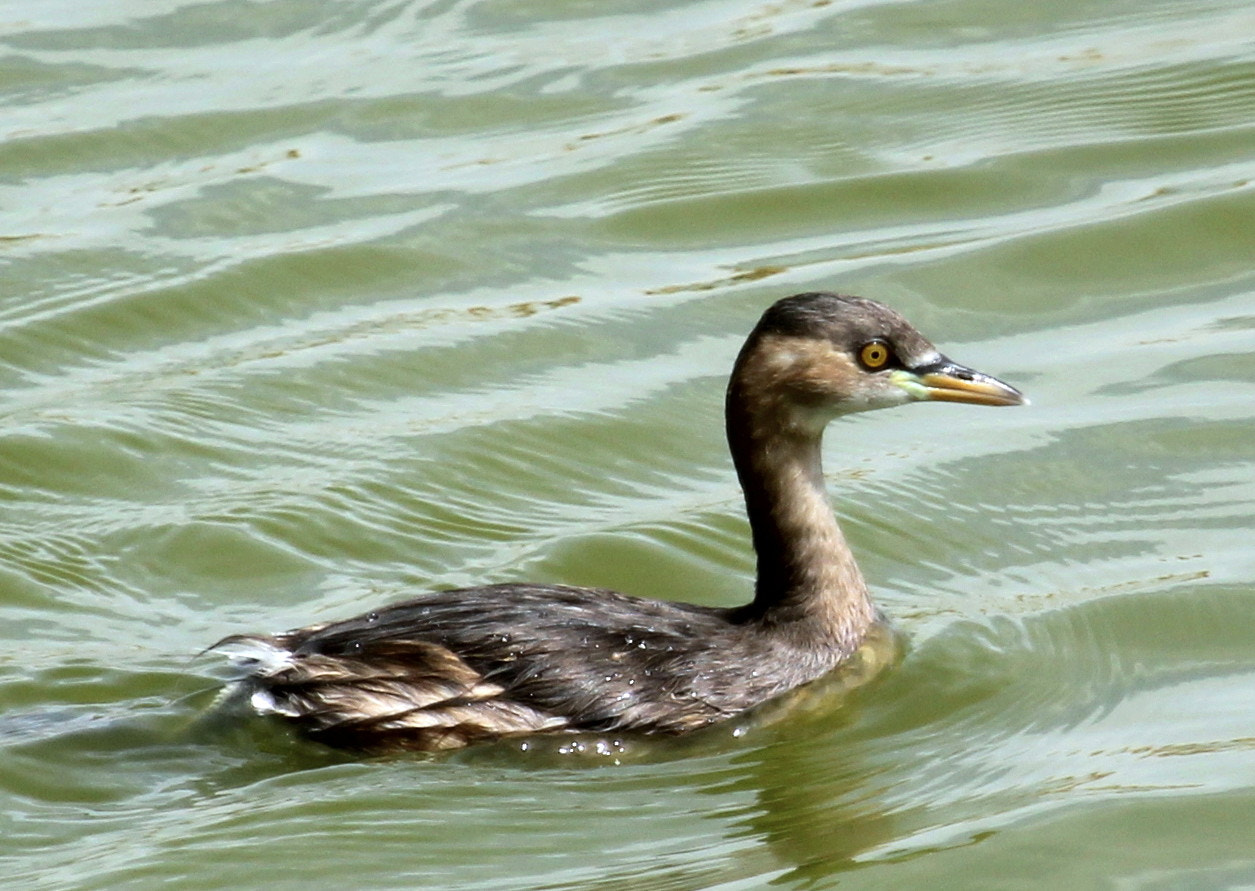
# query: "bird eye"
875,355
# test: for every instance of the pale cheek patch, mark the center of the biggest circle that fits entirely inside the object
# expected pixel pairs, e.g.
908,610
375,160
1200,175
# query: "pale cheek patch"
778,357
884,394
810,382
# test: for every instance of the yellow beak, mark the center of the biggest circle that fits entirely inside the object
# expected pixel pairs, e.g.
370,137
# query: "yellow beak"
946,381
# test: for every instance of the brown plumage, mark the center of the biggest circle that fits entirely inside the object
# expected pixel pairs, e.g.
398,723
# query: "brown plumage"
457,667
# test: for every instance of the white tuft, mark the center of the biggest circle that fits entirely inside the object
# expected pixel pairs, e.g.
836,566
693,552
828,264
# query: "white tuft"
259,658
264,702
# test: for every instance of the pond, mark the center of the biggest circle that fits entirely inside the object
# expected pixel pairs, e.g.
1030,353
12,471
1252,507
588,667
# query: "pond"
313,306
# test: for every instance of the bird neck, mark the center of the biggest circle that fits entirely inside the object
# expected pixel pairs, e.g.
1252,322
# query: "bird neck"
807,576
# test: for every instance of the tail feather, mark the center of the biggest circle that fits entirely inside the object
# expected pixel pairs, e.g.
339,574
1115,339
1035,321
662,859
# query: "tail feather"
413,694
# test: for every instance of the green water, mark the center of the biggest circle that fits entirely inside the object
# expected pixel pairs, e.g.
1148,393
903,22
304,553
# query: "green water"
308,306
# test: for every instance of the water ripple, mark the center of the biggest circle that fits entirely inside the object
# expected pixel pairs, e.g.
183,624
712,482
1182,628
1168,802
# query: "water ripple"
311,306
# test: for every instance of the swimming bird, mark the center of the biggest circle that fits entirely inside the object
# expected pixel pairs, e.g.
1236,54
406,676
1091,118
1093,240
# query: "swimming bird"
457,667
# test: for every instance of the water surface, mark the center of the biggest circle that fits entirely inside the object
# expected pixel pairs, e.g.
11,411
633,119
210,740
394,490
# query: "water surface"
310,306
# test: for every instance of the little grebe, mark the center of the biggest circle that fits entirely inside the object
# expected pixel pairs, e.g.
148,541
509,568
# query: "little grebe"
458,667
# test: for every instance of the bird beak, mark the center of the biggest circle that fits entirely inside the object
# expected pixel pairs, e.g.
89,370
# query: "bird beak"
946,381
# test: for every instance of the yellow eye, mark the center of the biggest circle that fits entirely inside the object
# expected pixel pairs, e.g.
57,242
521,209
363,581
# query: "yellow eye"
874,355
